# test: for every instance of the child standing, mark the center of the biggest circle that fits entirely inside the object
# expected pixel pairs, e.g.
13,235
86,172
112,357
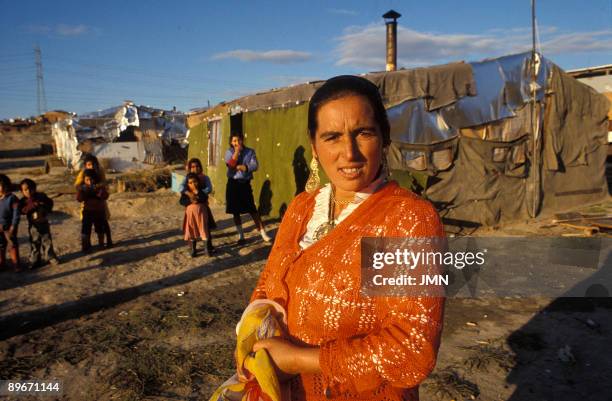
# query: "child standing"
194,165
9,222
91,162
195,222
93,196
37,206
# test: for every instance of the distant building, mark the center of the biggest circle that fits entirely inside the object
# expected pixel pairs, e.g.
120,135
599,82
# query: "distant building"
125,137
600,79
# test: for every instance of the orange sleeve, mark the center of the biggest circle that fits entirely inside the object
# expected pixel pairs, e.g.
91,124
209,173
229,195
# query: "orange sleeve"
403,351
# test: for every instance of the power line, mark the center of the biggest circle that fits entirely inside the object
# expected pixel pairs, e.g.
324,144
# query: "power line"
131,70
67,95
18,68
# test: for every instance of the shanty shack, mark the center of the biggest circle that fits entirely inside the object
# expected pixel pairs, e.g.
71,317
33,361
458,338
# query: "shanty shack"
125,137
487,142
600,79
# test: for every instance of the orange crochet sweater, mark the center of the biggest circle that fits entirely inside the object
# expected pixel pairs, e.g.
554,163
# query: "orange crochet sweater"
374,348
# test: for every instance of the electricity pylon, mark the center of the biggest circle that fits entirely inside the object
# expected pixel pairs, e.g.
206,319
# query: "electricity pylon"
40,83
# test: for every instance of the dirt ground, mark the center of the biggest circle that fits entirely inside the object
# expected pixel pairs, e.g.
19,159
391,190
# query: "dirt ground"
144,321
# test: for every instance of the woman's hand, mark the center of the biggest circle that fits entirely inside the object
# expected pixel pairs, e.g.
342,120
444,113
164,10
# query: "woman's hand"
270,345
289,358
237,150
241,167
282,352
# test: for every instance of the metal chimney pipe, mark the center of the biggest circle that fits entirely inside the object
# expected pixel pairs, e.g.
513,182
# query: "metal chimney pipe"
391,22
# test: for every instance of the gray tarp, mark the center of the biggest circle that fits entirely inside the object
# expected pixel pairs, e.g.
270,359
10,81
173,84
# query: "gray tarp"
490,181
170,125
439,86
497,112
479,149
411,123
503,86
575,144
106,124
479,190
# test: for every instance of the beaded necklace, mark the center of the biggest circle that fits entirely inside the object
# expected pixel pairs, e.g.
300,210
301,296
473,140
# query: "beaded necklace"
329,225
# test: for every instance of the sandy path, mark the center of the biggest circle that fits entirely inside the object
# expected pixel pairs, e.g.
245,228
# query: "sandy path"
149,254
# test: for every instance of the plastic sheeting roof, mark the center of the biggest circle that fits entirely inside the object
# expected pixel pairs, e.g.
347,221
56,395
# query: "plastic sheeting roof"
503,86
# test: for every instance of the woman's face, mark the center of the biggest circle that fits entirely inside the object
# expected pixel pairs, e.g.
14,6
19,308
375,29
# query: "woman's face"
348,142
89,165
236,141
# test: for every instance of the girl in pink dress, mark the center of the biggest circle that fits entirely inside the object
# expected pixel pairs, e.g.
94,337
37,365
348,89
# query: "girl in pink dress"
195,224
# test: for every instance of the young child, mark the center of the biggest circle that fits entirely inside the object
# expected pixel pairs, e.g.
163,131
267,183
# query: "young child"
194,165
195,223
94,196
90,162
37,206
9,223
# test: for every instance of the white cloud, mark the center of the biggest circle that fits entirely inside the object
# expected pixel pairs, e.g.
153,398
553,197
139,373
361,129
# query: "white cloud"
71,30
59,30
342,11
271,56
365,46
580,42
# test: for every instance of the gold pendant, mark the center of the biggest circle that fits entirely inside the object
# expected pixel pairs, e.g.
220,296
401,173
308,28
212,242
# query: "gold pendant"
323,230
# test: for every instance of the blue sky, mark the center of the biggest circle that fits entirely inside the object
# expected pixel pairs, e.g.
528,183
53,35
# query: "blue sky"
187,53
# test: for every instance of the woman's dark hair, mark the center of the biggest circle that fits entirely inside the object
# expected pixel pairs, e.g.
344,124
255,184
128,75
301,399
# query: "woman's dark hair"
30,183
6,183
346,85
194,160
192,176
235,134
91,173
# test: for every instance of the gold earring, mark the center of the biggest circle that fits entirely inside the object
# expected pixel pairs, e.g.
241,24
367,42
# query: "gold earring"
313,179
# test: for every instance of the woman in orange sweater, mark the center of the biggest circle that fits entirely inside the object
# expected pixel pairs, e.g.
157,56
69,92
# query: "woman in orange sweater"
340,344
